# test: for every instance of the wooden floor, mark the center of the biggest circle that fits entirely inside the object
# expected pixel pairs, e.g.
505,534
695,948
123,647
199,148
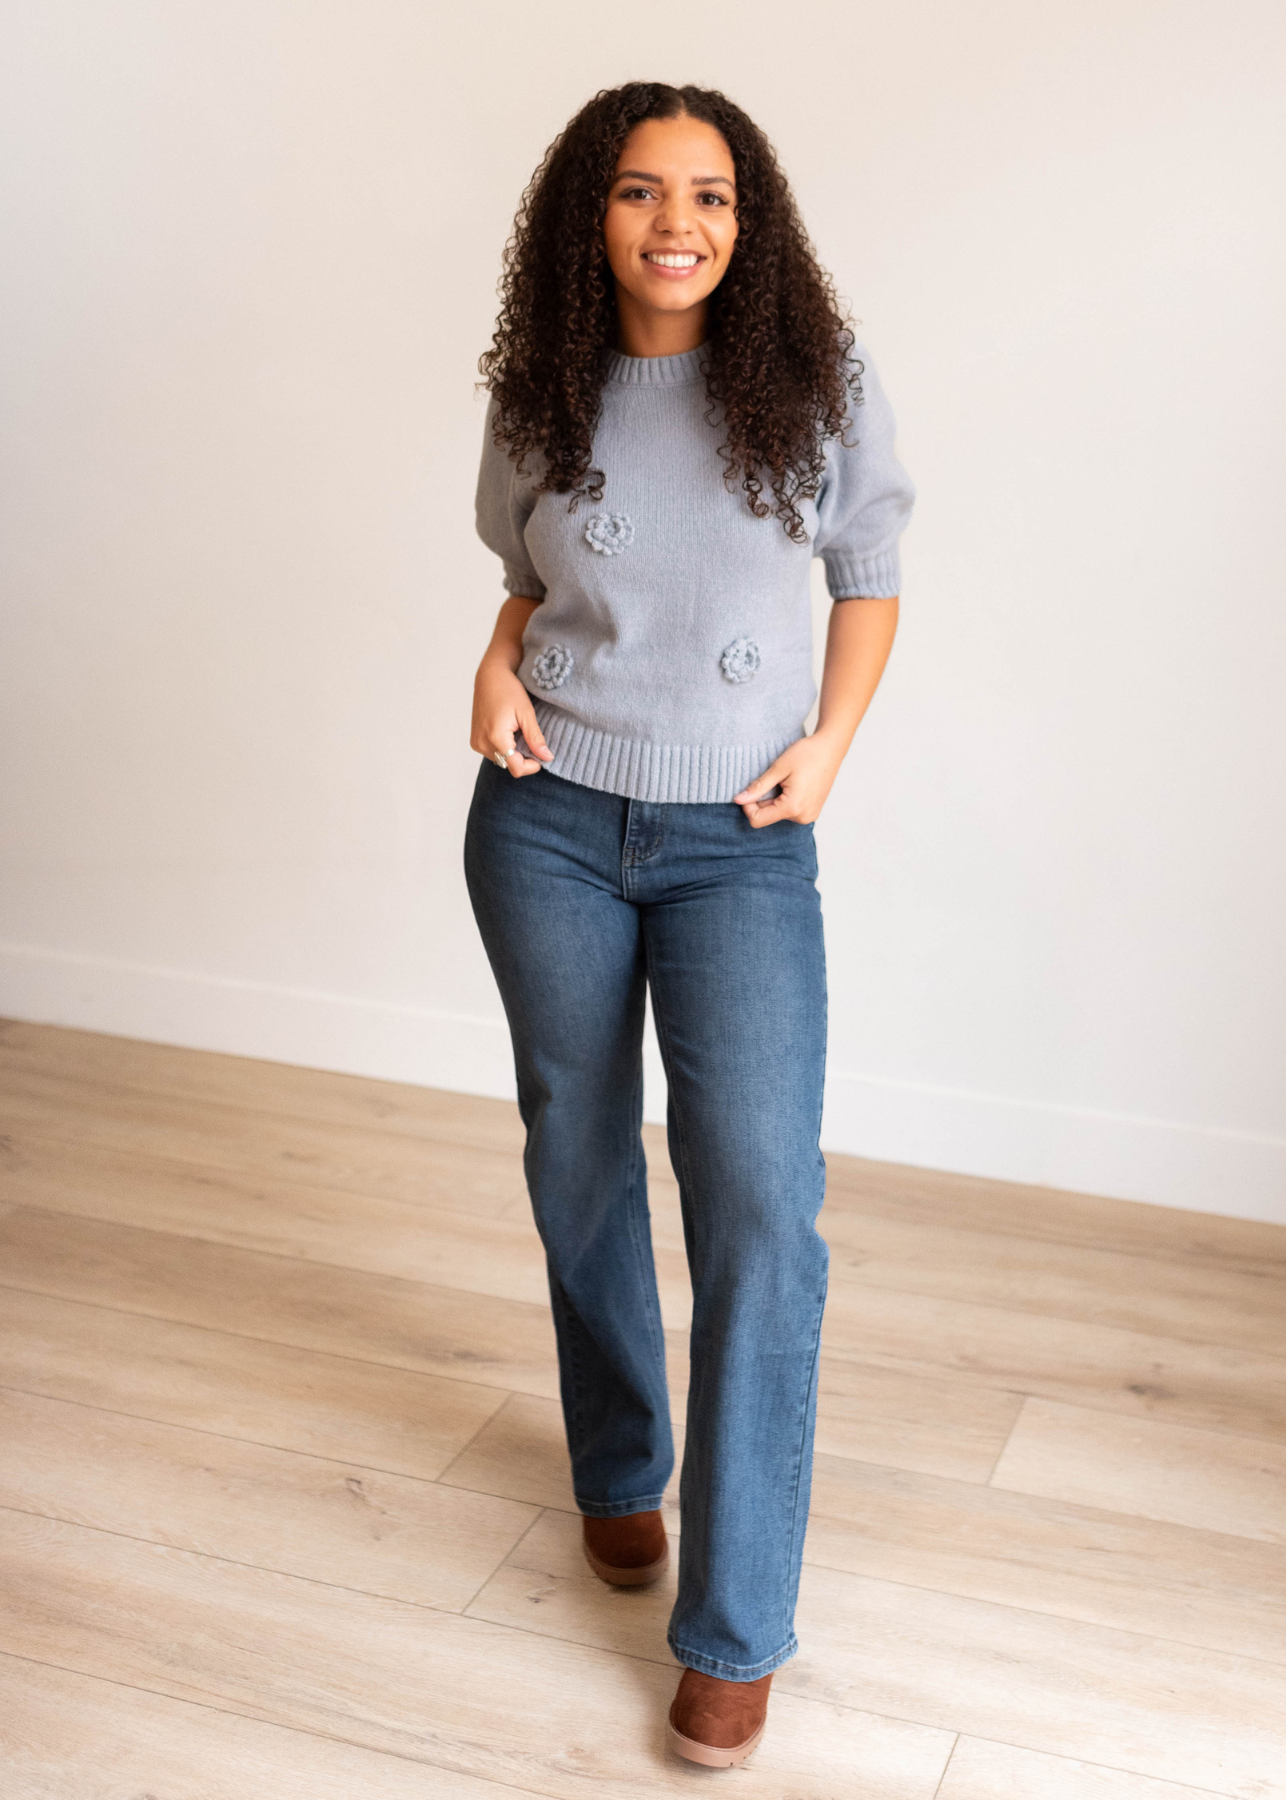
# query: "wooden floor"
285,1512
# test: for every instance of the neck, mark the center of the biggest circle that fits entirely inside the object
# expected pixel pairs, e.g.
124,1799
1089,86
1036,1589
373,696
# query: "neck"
644,331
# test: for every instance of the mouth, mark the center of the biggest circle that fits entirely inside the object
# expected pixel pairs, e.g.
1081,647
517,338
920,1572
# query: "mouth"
673,265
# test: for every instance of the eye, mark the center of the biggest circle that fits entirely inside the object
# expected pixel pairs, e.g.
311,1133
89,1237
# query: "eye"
713,198
635,193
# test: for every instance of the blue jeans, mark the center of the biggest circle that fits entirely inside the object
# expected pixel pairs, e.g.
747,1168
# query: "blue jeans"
584,900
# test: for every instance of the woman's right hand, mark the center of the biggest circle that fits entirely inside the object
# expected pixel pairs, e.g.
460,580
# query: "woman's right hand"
501,709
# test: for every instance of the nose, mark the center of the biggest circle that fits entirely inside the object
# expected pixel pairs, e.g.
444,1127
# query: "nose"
675,217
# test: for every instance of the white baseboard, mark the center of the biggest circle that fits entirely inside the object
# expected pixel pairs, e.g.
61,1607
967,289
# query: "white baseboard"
1237,1174
317,1030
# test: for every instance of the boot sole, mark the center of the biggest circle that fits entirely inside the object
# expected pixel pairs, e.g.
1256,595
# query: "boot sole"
710,1755
643,1577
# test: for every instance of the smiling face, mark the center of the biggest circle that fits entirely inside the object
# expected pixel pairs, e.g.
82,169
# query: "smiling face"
669,231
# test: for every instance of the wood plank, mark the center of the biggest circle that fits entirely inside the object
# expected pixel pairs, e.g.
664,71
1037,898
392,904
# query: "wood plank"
956,1347
940,1425
426,1242
274,1509
282,1218
1137,1703
313,1306
546,1586
1061,1359
333,1406
1070,1281
981,1771
1208,1479
522,1450
64,1735
1198,1587
242,1081
310,1152
1152,1295
437,1688
521,1453
1053,1215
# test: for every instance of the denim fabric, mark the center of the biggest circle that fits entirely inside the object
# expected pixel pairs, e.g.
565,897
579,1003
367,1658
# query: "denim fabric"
584,899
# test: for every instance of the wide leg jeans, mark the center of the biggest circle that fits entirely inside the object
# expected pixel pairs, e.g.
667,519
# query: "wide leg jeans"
584,901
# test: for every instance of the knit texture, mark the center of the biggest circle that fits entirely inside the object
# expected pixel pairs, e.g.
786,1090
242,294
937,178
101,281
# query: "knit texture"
670,658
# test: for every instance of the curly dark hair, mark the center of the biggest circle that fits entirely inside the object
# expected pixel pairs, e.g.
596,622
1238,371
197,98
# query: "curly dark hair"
777,360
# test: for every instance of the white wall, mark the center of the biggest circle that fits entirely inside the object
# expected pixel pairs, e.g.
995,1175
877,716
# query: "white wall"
250,256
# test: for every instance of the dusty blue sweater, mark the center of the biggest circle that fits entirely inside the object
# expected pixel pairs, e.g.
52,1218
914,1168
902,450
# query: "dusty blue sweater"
671,657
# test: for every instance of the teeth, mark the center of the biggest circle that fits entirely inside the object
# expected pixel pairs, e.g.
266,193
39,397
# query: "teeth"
686,261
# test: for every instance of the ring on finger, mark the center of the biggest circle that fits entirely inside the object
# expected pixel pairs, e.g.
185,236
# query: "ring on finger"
502,759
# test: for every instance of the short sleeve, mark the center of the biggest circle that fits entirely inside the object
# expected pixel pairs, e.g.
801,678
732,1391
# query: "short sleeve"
504,504
865,500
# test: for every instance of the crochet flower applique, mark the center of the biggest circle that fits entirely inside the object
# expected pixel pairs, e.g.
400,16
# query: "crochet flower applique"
609,533
740,660
552,667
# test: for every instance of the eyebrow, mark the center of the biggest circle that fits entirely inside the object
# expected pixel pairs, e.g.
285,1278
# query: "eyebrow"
659,180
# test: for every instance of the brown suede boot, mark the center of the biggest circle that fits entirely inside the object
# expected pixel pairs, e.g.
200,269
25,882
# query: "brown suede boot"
628,1552
716,1722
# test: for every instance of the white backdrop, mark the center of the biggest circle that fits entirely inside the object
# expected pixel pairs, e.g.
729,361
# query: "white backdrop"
250,256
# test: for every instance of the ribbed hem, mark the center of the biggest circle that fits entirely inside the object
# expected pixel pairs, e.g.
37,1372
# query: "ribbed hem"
654,371
874,577
681,773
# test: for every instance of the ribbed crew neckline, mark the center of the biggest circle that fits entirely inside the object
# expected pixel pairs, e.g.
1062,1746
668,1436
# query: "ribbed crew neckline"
655,371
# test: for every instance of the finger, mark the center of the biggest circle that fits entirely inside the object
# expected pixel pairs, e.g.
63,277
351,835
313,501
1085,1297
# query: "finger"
761,784
500,749
768,812
505,755
784,804
534,736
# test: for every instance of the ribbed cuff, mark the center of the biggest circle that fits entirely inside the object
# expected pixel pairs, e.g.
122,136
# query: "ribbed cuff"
691,773
874,577
523,583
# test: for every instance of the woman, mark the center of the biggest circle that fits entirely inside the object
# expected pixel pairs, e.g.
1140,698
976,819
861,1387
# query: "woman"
679,423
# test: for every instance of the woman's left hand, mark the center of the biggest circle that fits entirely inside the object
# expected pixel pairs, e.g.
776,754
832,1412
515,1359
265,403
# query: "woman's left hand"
858,640
804,772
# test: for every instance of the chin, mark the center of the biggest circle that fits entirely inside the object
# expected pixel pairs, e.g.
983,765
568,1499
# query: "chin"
677,302
667,296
